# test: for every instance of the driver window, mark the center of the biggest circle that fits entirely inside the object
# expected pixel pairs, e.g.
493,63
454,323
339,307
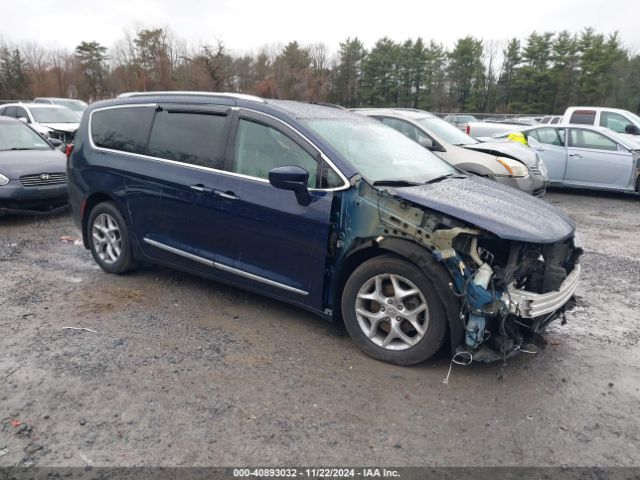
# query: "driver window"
405,128
260,148
614,121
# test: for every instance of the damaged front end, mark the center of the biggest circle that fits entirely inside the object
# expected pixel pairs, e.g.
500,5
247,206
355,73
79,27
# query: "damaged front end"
510,291
507,290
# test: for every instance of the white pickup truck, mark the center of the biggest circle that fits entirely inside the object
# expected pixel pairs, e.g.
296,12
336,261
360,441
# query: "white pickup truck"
620,121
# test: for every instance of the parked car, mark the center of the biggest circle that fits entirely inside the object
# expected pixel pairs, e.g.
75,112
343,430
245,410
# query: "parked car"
551,119
585,157
489,128
325,209
511,164
76,106
460,120
33,178
51,121
620,121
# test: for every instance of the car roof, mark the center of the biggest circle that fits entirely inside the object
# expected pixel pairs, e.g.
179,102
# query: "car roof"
408,113
31,105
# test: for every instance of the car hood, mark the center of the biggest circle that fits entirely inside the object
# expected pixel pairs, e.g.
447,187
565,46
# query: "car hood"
514,150
504,211
62,127
15,164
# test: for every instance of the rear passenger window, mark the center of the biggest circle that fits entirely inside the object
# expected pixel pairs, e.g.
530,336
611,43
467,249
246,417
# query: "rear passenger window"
124,129
192,138
549,136
583,117
260,148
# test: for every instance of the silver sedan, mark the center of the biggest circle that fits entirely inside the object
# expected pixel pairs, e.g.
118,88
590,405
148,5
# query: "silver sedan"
583,156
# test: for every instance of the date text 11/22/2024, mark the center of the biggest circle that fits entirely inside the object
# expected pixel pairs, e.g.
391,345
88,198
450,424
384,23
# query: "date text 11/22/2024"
316,472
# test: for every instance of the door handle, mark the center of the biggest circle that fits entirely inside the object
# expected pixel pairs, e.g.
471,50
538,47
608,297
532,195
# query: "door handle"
226,195
541,149
575,155
201,188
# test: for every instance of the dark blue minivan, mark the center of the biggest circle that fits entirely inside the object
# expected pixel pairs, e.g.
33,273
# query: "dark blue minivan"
325,209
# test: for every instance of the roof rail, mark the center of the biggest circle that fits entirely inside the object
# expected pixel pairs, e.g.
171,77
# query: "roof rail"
239,96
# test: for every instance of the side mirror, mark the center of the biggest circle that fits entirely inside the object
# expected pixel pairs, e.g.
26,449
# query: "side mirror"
55,142
430,145
292,178
23,119
632,129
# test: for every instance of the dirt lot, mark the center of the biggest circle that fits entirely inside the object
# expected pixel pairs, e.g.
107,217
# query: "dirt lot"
183,371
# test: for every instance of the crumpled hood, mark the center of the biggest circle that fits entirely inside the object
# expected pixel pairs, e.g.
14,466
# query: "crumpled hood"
62,127
504,211
15,164
510,149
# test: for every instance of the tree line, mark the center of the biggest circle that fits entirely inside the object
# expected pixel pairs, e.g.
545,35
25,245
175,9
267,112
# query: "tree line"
544,73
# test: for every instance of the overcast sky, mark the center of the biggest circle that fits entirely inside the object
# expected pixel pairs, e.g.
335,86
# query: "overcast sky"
245,25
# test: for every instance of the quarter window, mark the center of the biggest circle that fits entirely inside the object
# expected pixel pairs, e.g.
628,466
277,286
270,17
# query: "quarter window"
592,140
192,138
124,129
260,148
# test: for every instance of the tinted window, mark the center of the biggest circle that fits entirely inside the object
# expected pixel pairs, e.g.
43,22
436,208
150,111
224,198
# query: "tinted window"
614,121
583,117
260,148
124,129
593,140
190,138
10,112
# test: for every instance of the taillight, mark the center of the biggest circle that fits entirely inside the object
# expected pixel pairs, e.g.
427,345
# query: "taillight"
468,129
69,149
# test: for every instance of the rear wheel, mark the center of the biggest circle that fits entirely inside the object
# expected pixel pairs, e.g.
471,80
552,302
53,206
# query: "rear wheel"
109,239
393,312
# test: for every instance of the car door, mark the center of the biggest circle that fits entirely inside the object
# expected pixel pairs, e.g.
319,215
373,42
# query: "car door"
185,158
266,238
550,146
596,160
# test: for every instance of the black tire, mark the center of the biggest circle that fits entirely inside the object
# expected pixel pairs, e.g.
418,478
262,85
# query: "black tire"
435,333
125,260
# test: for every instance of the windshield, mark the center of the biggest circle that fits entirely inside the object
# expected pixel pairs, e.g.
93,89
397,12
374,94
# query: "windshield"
634,118
17,136
75,105
466,119
445,131
380,153
53,115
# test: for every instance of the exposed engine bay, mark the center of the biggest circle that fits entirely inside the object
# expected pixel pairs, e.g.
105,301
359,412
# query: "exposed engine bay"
509,290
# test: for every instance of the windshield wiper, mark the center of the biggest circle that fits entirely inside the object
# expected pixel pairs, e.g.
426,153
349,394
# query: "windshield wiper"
395,183
18,148
440,178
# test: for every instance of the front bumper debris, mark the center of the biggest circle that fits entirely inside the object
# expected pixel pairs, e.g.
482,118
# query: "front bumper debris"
530,305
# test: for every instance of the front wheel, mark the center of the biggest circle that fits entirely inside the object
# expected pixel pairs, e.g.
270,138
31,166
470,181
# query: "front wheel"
393,312
109,239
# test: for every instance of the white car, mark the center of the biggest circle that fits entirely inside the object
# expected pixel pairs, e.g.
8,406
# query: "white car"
620,121
50,121
76,106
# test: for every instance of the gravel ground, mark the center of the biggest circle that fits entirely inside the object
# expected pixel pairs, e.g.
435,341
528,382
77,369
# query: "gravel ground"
184,371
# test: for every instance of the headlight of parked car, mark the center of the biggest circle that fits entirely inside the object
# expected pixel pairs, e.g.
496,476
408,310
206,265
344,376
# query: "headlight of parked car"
513,167
3,180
